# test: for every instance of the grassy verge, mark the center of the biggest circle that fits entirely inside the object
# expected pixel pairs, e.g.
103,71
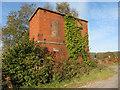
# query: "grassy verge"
112,64
94,75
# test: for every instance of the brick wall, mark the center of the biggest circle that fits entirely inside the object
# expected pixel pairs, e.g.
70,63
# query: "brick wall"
49,27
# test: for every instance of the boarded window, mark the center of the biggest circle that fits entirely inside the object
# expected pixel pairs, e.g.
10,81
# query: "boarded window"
55,32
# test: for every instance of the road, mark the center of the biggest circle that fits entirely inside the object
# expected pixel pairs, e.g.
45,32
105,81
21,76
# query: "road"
111,82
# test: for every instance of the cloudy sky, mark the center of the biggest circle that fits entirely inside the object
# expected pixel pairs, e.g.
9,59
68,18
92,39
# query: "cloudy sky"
102,21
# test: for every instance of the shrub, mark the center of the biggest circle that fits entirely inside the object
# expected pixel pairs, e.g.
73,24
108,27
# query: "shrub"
27,64
67,69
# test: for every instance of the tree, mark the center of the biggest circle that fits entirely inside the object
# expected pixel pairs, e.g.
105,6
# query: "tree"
0,33
48,6
64,8
0,38
74,12
17,25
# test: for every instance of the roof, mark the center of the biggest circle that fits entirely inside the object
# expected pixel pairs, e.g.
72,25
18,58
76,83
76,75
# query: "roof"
52,12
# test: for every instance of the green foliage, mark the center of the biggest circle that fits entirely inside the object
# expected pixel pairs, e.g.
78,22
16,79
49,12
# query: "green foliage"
64,7
76,43
67,69
17,24
0,33
27,64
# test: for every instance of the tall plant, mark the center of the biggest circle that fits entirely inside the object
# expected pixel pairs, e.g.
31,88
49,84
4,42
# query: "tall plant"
17,24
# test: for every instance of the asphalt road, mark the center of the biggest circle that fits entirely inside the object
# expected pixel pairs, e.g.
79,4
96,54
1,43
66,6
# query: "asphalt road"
111,82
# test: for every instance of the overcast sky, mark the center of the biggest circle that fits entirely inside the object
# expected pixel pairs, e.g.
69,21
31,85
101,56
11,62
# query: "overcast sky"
102,21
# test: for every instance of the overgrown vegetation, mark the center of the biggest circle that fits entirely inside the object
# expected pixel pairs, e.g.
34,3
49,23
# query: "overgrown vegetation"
76,43
28,65
95,75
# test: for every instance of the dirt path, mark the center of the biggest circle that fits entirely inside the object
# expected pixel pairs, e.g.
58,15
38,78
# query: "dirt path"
111,82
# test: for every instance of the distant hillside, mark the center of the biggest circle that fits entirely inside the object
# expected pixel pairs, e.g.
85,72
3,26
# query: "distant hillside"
104,55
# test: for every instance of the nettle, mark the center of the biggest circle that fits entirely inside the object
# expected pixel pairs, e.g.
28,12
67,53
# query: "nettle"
76,43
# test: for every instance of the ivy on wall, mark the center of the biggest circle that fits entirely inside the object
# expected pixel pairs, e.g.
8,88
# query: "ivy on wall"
76,43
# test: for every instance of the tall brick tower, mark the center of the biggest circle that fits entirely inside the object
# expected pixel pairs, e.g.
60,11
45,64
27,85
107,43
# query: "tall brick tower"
47,28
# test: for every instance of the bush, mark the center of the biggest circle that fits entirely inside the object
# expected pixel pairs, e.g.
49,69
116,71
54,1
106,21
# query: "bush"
27,64
66,69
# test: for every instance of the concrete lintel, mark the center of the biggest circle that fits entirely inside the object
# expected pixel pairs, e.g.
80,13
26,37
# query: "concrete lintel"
50,42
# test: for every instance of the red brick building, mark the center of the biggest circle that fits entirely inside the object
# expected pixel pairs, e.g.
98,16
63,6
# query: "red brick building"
47,28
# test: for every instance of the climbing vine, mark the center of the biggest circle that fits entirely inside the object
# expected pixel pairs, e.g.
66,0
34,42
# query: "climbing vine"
76,43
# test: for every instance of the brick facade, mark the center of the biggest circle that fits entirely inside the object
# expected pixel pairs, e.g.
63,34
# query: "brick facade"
47,28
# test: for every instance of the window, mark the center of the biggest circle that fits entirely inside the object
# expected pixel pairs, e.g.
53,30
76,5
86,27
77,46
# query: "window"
55,32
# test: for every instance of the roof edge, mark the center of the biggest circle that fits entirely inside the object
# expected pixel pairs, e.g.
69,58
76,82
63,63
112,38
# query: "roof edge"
52,12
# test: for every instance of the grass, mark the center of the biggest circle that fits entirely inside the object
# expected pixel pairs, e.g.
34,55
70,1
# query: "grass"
112,64
95,75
